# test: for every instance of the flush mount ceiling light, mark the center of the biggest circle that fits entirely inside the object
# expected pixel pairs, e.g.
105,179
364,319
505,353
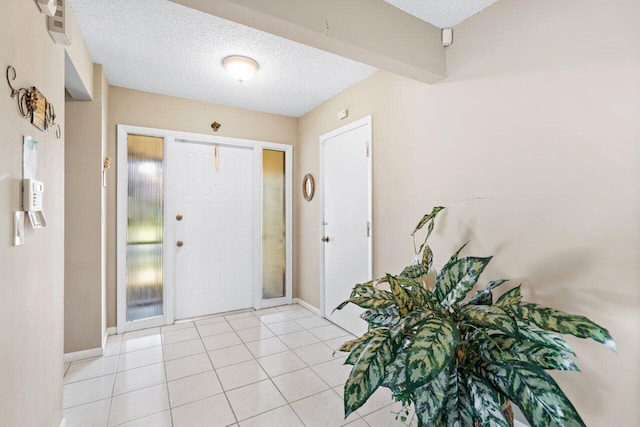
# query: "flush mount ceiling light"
240,68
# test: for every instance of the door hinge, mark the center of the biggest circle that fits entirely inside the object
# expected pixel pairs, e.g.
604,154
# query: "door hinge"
366,148
368,229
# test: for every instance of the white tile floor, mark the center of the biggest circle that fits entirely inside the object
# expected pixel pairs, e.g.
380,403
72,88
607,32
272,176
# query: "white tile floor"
264,368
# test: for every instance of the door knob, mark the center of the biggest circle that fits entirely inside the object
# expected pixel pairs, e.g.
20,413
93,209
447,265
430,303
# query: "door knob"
179,243
325,239
179,217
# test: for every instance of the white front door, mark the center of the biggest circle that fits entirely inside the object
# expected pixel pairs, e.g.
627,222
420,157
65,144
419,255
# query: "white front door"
211,188
347,249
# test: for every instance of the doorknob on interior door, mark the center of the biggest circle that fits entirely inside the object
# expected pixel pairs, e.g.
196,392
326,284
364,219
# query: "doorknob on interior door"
179,243
325,239
179,217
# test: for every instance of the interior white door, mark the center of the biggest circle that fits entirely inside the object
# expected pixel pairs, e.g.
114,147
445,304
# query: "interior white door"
346,187
212,190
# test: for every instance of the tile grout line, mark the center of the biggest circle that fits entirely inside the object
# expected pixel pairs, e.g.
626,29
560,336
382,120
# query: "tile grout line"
244,343
235,417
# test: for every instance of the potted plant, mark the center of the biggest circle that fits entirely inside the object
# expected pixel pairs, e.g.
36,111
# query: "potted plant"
460,361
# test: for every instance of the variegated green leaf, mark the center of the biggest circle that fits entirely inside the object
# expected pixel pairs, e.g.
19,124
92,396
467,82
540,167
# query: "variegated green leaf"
458,408
430,399
404,301
495,283
395,372
484,297
486,403
413,320
427,258
433,348
502,349
457,279
511,297
540,336
511,301
414,271
489,316
368,372
417,318
367,288
385,317
371,301
565,323
426,218
349,345
538,396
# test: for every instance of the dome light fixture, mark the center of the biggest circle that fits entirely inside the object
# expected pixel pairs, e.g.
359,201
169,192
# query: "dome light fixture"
239,67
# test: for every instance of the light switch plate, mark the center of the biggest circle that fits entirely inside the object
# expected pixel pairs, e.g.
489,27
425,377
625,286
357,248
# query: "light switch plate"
18,228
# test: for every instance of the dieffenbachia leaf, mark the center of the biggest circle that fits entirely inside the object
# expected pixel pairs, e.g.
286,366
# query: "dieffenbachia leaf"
503,349
433,348
426,218
495,283
538,396
350,345
486,403
511,301
367,288
458,408
458,278
414,271
510,297
427,258
489,316
485,296
416,318
385,317
565,323
395,371
371,301
368,372
540,336
430,399
403,298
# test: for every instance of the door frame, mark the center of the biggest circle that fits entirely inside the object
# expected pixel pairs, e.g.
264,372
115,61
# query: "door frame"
173,137
368,122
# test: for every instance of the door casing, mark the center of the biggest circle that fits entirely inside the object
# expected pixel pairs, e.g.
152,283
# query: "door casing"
172,137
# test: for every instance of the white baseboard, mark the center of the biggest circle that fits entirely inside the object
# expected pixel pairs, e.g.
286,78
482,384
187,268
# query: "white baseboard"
306,305
109,331
84,354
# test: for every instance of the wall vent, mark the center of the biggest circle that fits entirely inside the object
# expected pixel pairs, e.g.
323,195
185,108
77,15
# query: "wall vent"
60,23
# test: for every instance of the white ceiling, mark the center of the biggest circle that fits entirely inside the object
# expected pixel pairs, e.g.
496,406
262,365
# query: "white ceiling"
442,13
161,47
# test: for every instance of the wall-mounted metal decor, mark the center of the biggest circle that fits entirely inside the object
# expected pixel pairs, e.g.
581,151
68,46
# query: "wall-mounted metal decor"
308,187
33,105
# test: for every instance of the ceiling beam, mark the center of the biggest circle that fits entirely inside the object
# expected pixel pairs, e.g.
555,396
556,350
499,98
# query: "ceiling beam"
369,31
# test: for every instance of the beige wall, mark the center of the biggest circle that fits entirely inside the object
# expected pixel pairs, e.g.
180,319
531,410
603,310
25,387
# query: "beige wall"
532,143
84,303
80,59
130,107
32,275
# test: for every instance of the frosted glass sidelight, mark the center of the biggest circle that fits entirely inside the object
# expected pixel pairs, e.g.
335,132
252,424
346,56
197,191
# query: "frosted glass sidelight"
145,201
273,224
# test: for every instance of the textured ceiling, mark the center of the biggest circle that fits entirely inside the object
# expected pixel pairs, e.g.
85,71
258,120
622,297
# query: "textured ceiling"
161,47
442,13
